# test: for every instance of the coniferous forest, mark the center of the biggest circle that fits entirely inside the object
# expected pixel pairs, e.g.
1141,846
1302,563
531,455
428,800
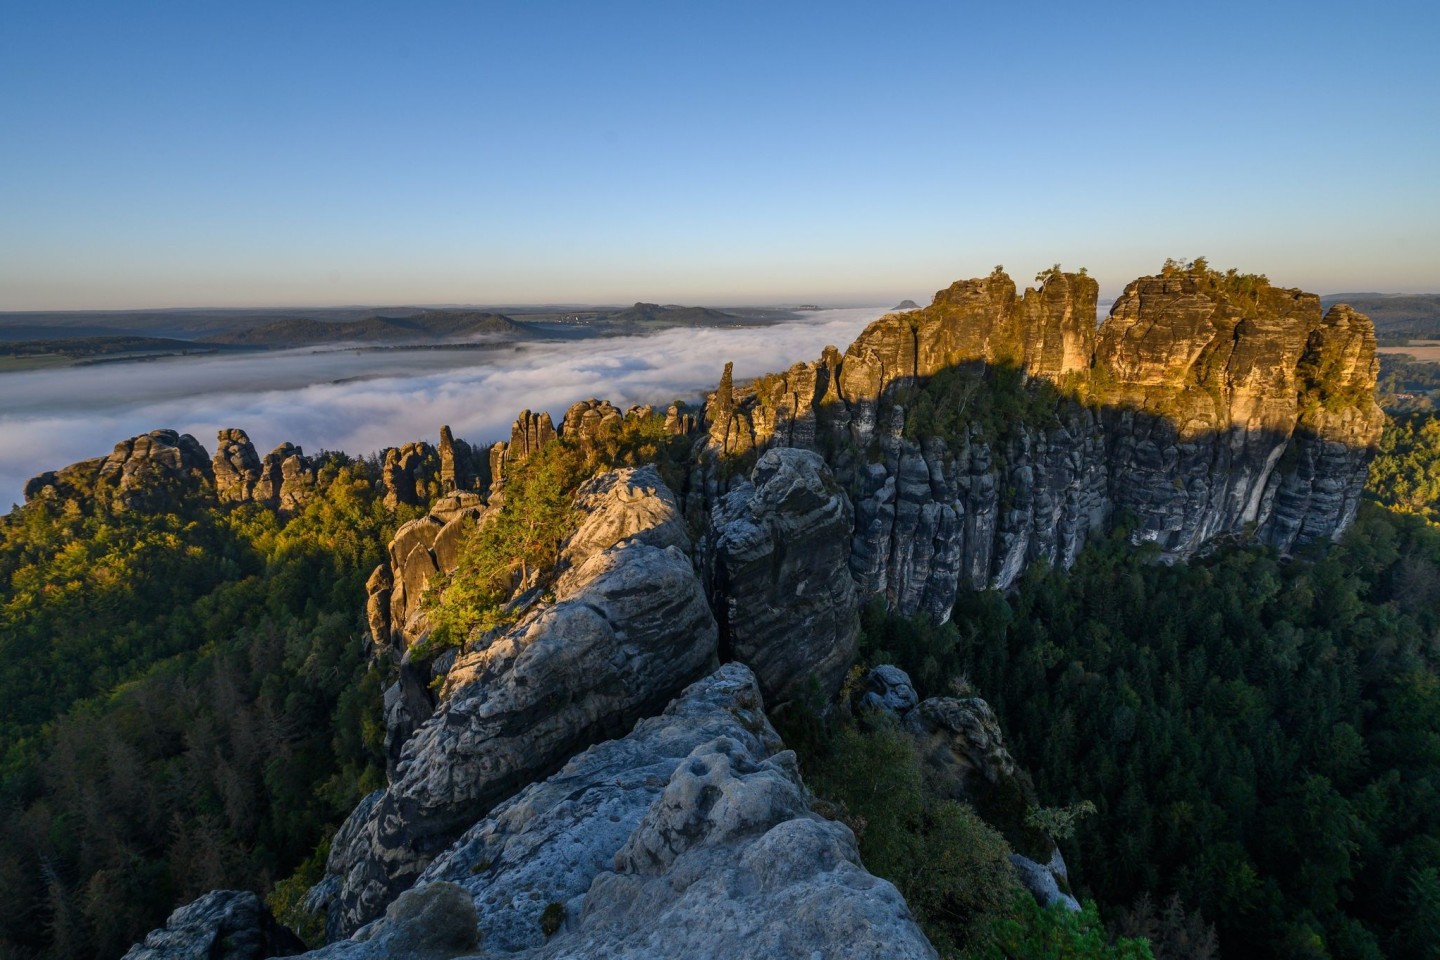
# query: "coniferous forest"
188,703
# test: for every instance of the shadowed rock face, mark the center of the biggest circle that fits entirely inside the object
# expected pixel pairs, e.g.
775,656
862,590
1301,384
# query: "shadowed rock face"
627,629
1204,406
222,925
788,606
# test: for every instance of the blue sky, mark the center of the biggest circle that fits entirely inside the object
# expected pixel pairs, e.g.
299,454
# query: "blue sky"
162,154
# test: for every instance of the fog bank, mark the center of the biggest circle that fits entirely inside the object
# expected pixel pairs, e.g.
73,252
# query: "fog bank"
362,401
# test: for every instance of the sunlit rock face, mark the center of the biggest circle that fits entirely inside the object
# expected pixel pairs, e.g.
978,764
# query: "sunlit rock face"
150,472
995,429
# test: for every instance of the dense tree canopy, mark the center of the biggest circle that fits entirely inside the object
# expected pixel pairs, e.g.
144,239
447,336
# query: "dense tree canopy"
186,704
1261,737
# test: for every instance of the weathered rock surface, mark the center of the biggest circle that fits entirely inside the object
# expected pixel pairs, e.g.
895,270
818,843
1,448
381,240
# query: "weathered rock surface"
236,466
964,758
555,837
628,628
462,467
147,472
780,578
887,687
690,837
433,922
222,925
412,473
1204,406
964,754
530,432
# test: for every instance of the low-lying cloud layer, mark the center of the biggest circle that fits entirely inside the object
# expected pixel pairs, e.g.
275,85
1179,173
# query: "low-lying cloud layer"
364,401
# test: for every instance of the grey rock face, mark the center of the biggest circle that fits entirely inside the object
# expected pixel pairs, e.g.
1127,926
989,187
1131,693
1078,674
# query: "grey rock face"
780,574
222,925
887,687
433,922
1048,883
629,627
730,862
547,844
690,837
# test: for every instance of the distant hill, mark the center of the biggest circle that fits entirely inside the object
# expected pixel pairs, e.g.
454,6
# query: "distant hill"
429,325
102,346
671,315
1397,316
906,305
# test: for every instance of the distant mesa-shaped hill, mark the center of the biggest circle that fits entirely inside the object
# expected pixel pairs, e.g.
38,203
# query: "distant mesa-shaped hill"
671,315
1397,316
430,325
907,305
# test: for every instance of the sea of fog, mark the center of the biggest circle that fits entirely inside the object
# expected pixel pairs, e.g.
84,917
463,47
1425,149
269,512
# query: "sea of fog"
361,401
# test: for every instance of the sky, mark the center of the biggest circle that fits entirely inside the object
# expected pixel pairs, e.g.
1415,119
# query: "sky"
364,401
196,154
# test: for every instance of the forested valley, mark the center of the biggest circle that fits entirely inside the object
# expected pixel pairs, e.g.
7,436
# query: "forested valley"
189,703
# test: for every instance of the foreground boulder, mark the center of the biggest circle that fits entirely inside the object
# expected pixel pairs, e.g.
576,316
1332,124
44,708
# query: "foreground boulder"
627,629
780,575
690,837
222,925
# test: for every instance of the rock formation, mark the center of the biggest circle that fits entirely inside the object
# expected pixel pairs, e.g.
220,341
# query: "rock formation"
462,467
411,474
236,466
690,836
627,628
991,430
784,597
143,473
530,432
947,448
285,479
222,925
964,758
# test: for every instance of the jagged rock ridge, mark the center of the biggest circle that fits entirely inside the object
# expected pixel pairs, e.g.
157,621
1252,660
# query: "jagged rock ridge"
1204,406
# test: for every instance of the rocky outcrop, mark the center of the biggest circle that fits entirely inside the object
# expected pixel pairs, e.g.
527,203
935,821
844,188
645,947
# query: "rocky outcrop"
779,574
411,474
222,925
288,478
691,836
991,430
627,628
462,467
148,472
556,836
681,420
964,758
237,467
420,550
285,479
433,922
530,432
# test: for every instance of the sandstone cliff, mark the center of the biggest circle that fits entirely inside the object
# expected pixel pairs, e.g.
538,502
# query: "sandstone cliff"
991,429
